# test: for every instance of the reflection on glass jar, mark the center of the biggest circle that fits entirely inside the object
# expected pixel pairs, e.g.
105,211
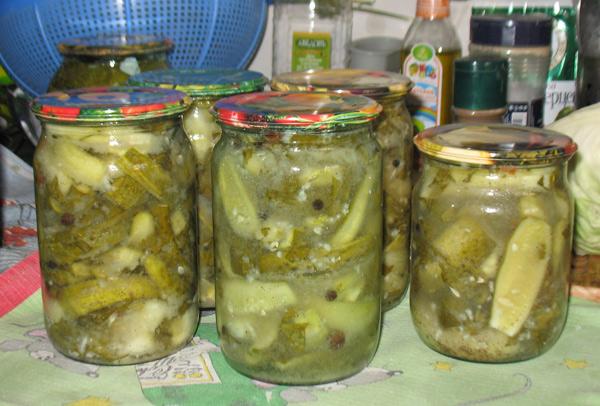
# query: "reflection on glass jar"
115,200
108,60
205,87
492,231
298,235
394,131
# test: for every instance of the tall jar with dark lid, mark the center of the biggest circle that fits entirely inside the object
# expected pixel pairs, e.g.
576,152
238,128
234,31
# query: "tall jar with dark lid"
394,132
524,40
115,201
480,89
491,242
108,60
205,86
297,208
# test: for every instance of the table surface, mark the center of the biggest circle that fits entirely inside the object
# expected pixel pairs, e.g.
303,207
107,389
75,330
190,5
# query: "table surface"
404,370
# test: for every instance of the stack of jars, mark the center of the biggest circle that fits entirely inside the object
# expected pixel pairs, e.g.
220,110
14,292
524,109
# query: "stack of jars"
294,208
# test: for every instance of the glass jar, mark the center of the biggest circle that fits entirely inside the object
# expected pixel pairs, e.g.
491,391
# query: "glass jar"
311,34
108,60
394,132
491,241
205,87
298,235
115,200
525,41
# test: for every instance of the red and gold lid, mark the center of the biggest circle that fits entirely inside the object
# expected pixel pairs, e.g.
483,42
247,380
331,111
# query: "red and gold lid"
101,104
494,145
305,110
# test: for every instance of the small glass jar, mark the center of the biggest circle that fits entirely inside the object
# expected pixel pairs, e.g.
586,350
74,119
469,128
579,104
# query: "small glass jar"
205,87
297,208
394,131
311,34
108,60
525,41
115,200
491,241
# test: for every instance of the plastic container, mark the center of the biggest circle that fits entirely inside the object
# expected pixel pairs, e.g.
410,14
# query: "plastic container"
394,133
297,208
525,41
311,34
108,60
430,47
207,33
205,87
480,84
491,241
115,194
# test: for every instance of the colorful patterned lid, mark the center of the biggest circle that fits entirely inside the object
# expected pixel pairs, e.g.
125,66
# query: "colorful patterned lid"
114,45
307,110
495,144
356,81
101,104
203,82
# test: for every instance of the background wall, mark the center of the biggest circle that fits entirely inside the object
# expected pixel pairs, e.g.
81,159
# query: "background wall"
368,24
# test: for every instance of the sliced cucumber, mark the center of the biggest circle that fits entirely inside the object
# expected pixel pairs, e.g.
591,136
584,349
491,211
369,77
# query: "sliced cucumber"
81,166
365,196
521,274
353,319
243,297
238,203
142,227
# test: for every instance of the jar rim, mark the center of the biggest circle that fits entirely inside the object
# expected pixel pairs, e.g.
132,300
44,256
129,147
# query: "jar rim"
114,45
116,104
495,144
375,84
295,110
199,83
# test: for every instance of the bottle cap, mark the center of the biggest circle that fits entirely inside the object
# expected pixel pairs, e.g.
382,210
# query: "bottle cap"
480,82
433,9
512,30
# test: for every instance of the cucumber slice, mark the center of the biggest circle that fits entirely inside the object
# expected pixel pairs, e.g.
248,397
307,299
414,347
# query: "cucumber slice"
354,319
238,203
142,227
521,274
243,297
81,166
351,226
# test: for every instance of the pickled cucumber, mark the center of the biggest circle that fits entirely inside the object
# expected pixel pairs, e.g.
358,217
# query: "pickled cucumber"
239,205
243,297
521,274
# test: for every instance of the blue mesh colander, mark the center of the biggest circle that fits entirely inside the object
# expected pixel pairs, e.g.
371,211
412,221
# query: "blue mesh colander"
206,33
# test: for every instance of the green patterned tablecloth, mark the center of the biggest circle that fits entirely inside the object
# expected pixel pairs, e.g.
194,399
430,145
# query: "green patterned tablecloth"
404,372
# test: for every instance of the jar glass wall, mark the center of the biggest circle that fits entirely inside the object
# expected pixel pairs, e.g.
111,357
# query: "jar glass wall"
491,241
205,86
108,60
115,201
393,130
298,239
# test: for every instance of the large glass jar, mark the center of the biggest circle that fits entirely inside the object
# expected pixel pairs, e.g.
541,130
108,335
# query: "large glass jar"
115,199
394,132
298,235
205,87
108,60
491,241
311,34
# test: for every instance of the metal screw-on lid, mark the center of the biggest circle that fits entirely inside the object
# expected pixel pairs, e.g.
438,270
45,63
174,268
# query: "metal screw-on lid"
114,104
203,82
512,30
480,82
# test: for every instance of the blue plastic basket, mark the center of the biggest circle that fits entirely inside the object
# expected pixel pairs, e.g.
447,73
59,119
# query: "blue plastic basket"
206,33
